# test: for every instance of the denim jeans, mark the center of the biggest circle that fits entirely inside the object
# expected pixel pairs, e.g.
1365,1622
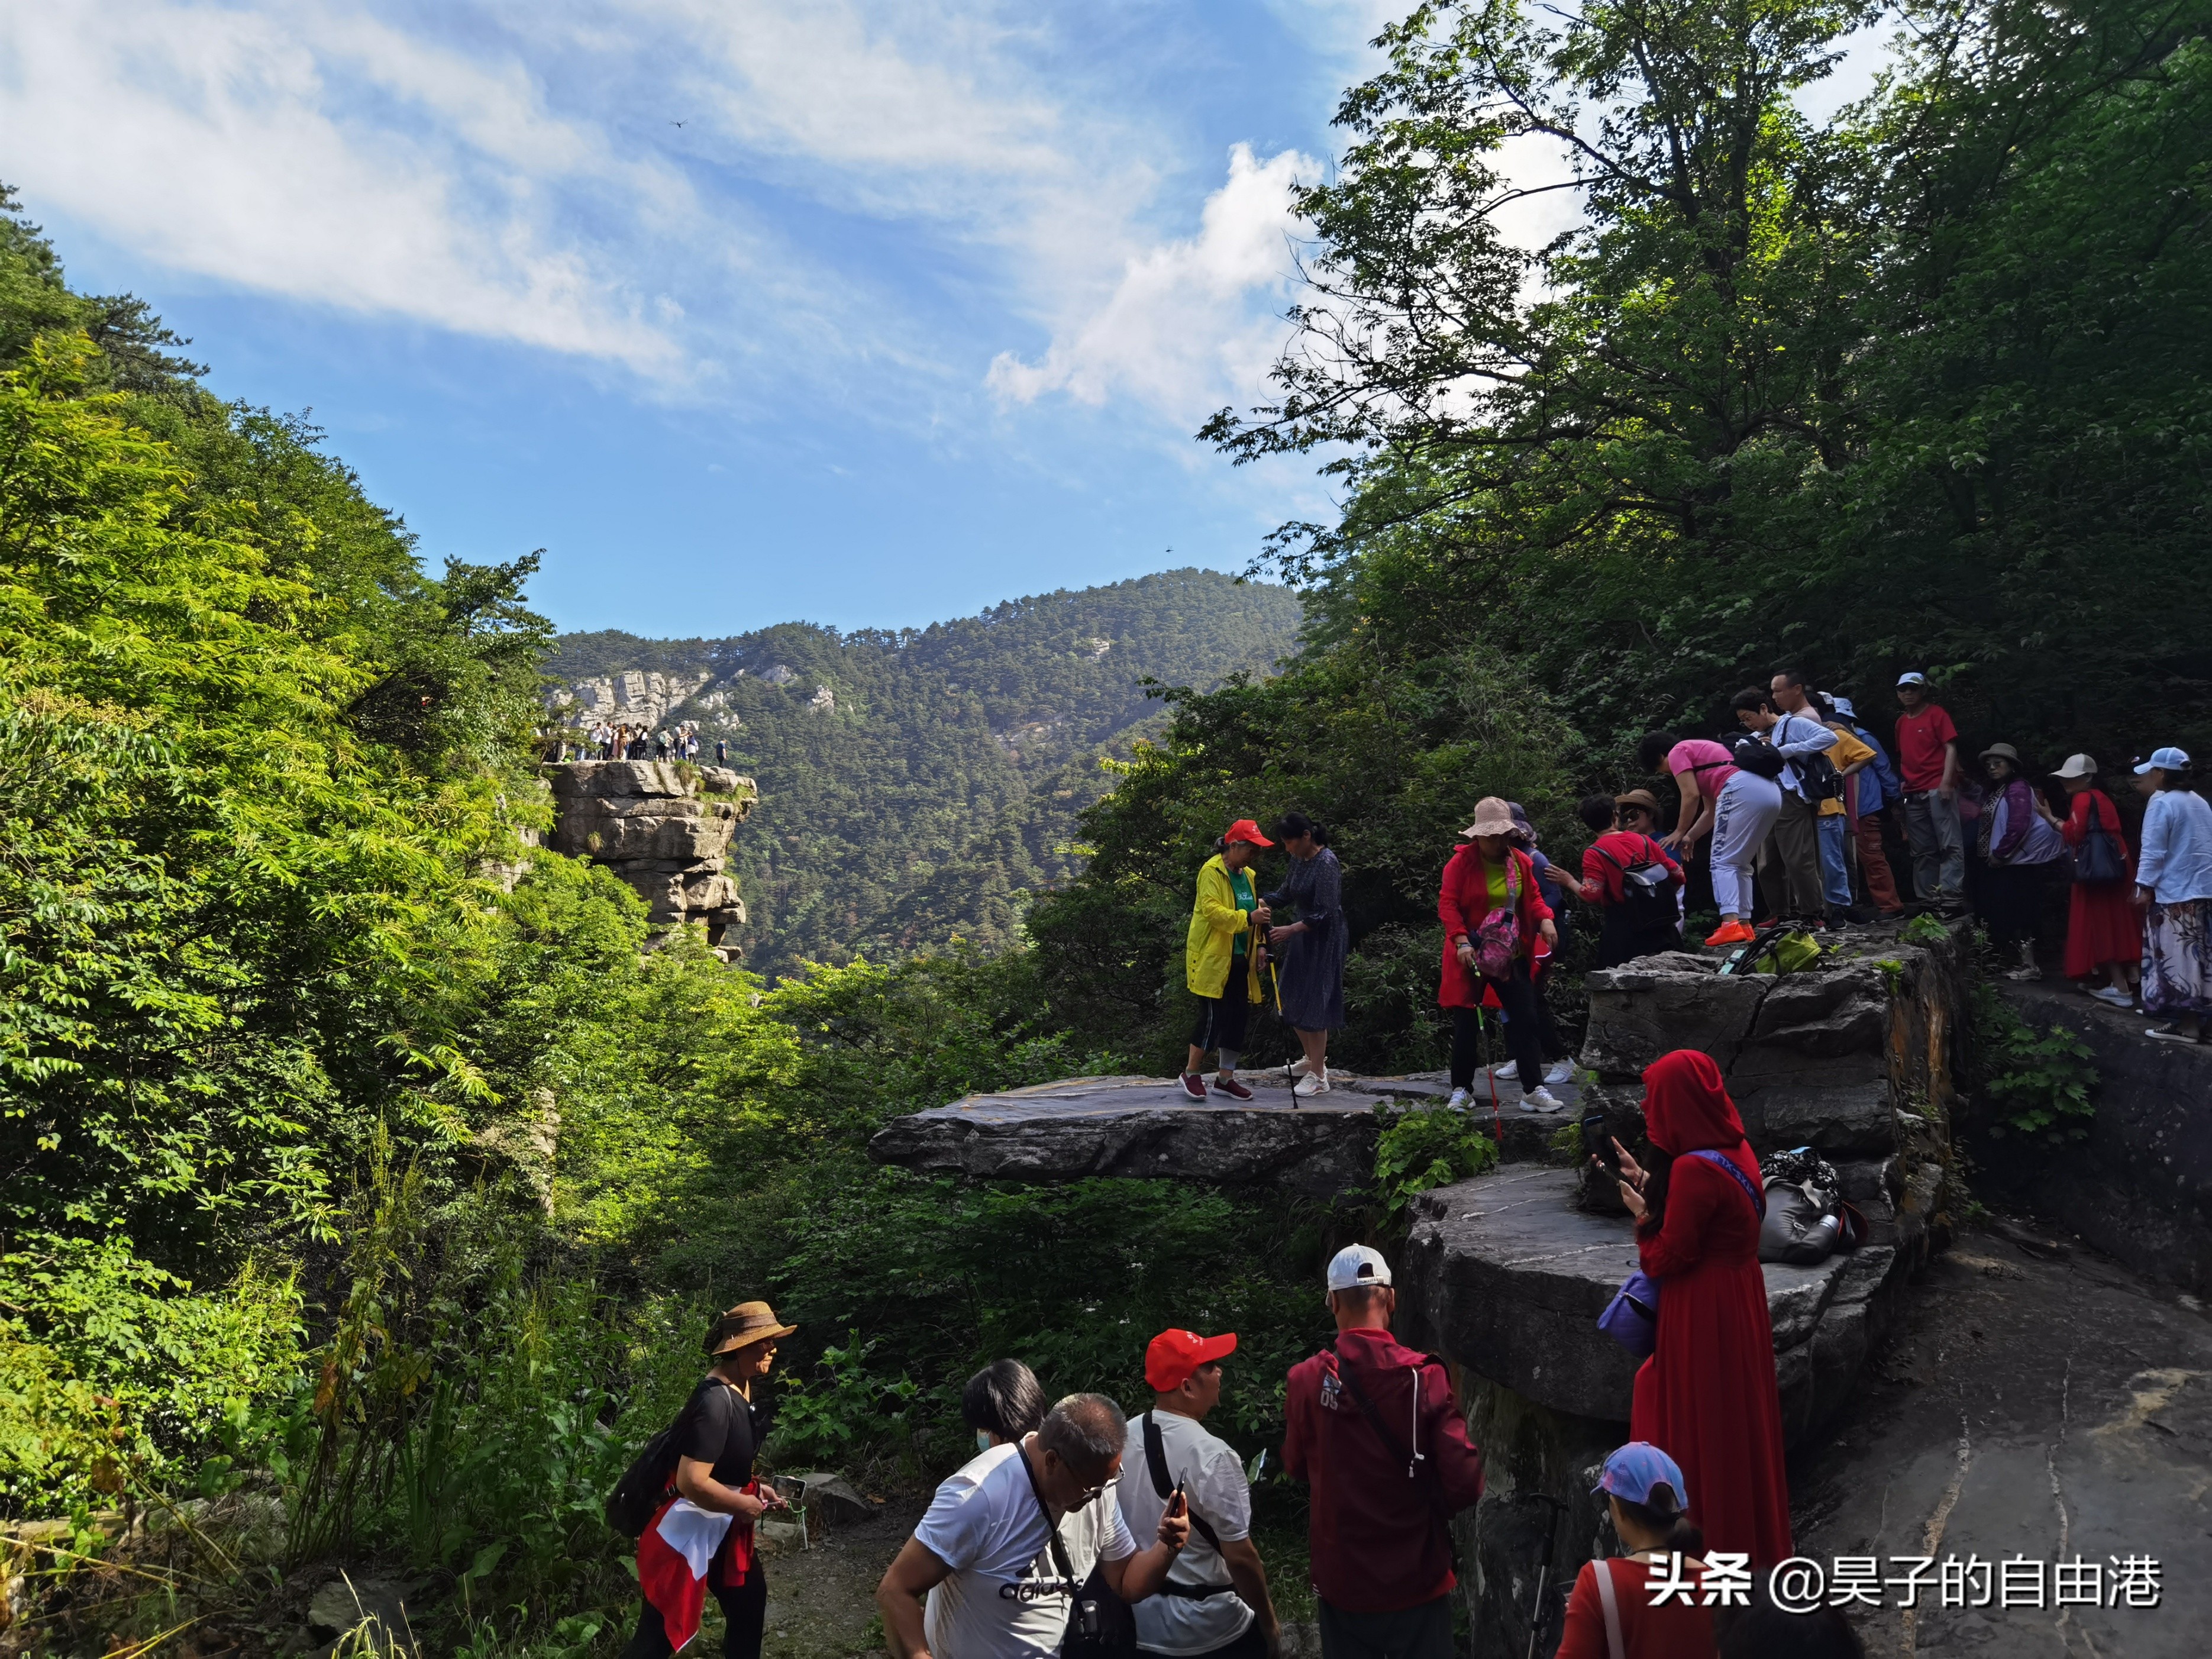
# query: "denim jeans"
1939,849
1835,870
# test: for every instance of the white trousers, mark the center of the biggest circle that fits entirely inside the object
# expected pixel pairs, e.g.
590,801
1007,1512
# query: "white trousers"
1746,811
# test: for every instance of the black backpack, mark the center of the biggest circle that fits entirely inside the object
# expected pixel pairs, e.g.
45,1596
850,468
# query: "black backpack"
1647,890
645,1484
1758,757
1816,773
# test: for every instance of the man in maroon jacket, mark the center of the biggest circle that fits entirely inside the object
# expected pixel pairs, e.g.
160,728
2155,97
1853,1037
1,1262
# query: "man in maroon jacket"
1374,1428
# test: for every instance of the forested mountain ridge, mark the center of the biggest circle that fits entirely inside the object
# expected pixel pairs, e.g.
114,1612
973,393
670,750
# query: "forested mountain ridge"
917,784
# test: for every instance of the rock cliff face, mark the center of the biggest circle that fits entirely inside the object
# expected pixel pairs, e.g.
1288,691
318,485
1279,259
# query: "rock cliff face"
663,828
635,698
1505,1274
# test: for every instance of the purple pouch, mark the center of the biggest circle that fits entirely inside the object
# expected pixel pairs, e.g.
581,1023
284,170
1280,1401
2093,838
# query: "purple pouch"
1631,1318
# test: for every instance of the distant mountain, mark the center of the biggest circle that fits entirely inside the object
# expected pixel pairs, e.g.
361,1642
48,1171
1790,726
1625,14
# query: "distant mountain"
917,786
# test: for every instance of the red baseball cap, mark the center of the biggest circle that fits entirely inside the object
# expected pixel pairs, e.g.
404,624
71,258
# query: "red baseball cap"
1246,829
1174,1355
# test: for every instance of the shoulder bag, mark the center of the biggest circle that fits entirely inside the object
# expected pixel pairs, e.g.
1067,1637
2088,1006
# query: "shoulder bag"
1631,1318
1100,1624
1397,1447
1497,937
1156,1463
2099,858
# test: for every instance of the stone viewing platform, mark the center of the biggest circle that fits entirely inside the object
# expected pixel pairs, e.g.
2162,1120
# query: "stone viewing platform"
664,827
1320,1146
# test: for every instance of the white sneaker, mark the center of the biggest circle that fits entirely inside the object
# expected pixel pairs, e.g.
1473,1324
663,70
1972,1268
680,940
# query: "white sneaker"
1541,1100
1560,1070
1310,1084
1458,1101
2113,995
1301,1068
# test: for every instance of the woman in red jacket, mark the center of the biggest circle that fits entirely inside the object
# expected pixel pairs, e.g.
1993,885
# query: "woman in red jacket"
1498,952
2103,936
1707,1396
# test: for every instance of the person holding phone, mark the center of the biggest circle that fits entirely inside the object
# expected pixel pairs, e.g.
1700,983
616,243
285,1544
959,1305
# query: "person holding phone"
1215,1602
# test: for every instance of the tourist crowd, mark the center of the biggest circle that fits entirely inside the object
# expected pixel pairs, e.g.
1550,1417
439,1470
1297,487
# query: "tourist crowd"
1791,821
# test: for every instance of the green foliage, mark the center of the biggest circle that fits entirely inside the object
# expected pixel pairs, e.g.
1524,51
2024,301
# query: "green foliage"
2042,1080
941,793
844,1409
1420,1148
1920,387
1389,748
1926,930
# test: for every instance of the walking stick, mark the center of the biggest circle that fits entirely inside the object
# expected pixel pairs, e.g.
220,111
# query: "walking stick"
1497,1123
1536,1619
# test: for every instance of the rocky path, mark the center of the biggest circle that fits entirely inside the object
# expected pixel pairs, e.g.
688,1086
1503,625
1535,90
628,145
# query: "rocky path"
2038,1403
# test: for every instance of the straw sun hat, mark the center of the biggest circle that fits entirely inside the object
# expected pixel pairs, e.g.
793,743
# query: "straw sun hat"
743,1326
1493,817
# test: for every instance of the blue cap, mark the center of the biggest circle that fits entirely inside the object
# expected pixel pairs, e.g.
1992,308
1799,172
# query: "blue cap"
2168,759
1634,1469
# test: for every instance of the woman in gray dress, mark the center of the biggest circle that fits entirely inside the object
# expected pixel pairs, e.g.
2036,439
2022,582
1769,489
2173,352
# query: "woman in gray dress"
1311,950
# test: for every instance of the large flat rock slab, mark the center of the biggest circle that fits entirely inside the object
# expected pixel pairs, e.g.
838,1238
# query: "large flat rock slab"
1504,1275
1320,1146
1140,1125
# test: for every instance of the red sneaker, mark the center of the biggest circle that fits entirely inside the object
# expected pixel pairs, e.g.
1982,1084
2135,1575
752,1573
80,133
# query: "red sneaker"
1194,1086
1232,1088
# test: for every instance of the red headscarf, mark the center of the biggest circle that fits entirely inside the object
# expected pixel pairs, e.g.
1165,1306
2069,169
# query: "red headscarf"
1687,1107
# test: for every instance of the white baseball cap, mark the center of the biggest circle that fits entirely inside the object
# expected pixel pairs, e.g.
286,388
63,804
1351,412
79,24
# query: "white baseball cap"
2077,766
1845,708
1915,678
1355,1267
2168,759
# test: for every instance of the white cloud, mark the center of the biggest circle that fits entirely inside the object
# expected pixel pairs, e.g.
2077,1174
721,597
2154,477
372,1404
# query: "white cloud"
263,148
1190,323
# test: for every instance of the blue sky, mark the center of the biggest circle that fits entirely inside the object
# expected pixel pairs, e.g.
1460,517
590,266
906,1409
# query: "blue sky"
916,311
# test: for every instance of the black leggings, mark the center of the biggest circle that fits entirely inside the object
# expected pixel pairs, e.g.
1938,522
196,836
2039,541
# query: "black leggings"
1523,1032
1221,1019
743,1610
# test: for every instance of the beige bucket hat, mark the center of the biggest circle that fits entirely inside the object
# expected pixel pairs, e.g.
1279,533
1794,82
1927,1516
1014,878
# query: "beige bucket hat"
743,1326
1493,817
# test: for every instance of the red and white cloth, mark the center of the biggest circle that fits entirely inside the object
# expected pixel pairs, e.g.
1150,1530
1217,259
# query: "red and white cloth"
683,1550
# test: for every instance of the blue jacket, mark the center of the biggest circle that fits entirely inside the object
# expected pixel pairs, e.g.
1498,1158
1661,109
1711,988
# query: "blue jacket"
1883,776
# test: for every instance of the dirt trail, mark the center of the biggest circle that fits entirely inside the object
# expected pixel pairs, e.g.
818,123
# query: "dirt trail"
2031,1405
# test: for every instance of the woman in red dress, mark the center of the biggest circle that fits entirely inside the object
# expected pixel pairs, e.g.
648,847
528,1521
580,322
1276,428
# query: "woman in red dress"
1707,1395
2103,934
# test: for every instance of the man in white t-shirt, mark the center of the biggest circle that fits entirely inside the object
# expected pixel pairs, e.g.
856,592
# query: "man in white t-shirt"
1215,1602
983,1554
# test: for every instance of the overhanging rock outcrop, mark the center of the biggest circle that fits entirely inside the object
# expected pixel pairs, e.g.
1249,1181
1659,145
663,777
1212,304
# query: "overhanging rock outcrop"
664,827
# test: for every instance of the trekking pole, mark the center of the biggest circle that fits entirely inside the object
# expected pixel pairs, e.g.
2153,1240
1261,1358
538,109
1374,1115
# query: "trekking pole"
1536,1613
1497,1123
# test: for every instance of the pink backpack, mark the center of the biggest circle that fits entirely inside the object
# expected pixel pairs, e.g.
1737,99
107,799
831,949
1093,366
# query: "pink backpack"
1497,937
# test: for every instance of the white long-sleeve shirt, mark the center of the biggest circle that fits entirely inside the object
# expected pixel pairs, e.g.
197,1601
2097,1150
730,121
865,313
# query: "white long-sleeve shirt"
2176,859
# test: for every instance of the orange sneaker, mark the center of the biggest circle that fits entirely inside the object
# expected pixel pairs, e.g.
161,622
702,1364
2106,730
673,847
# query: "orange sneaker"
1730,932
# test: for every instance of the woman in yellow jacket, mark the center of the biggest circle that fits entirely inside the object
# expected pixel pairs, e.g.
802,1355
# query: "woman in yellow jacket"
1224,955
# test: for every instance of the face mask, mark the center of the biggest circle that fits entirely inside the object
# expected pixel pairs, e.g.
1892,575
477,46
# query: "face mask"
982,1440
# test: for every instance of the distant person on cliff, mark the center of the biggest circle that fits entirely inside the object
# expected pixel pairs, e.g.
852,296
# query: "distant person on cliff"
1552,885
1309,952
1793,845
2173,890
1650,920
1493,918
1215,1603
1707,1395
1374,1430
1222,963
1927,766
2103,936
721,751
1645,1493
